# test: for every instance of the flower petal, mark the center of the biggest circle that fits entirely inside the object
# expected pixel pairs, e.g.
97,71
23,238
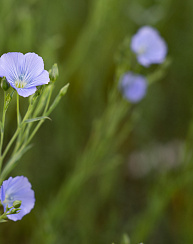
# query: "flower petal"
26,92
133,87
23,72
10,65
42,79
33,66
149,46
18,188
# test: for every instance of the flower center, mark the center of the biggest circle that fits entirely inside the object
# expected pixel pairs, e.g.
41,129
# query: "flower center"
8,198
142,50
20,83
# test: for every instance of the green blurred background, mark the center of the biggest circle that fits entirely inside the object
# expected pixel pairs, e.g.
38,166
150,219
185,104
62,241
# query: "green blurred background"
87,197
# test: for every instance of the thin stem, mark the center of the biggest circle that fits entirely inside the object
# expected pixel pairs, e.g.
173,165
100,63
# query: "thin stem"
10,163
48,101
15,135
18,119
20,151
44,113
22,135
18,114
25,135
2,128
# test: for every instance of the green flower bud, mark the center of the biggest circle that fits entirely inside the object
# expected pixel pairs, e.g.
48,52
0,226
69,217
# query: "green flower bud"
64,90
14,211
53,73
17,204
61,93
5,84
36,94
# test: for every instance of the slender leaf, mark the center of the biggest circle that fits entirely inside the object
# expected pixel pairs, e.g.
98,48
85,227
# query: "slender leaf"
36,119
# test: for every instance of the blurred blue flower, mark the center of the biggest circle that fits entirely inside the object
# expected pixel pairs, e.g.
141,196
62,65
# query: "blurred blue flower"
18,188
23,71
149,46
133,86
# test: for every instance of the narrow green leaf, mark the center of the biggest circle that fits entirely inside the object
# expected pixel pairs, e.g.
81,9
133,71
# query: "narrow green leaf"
36,119
160,72
8,99
1,127
2,220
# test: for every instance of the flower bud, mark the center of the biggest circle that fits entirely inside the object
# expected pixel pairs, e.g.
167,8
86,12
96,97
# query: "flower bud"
53,73
63,90
14,211
5,84
17,204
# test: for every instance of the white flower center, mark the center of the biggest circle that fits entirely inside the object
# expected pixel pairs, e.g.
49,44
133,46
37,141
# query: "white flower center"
8,198
142,50
20,83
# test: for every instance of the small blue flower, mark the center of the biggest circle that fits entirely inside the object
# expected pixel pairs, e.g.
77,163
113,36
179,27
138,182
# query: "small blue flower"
23,71
133,86
149,46
18,188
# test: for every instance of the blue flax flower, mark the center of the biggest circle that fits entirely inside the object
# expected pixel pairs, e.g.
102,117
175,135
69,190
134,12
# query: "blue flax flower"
23,71
149,46
18,188
133,86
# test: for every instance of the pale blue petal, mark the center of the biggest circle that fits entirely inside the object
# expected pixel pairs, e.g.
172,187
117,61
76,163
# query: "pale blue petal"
133,87
2,194
25,71
4,187
149,46
26,92
33,66
16,184
18,188
42,79
16,217
10,65
143,60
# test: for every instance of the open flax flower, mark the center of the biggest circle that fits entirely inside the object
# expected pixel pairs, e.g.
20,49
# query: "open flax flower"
23,72
17,188
149,46
133,86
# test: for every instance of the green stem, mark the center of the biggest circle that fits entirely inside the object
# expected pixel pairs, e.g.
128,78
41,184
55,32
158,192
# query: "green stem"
45,113
26,132
15,157
48,101
18,152
22,135
18,114
15,135
18,121
2,128
11,163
